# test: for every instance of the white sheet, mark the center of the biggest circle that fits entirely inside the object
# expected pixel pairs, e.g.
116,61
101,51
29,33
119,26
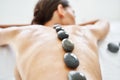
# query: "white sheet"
110,62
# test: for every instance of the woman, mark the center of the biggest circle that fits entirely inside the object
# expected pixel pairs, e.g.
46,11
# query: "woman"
39,52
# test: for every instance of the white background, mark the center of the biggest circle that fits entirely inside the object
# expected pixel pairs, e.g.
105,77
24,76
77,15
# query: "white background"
21,11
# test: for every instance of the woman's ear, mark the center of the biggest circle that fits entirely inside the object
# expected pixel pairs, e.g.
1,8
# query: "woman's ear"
61,10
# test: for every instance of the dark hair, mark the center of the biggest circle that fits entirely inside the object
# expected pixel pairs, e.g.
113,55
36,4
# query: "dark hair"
44,9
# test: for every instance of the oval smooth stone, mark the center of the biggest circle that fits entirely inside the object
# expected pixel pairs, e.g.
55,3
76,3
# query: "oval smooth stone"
59,28
67,45
71,60
62,35
75,75
113,47
56,25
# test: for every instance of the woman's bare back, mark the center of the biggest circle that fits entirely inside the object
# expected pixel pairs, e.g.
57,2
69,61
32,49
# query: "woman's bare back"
40,53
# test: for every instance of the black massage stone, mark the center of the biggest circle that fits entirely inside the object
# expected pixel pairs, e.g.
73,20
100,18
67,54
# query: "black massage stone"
75,75
58,29
62,35
113,47
56,25
71,60
67,45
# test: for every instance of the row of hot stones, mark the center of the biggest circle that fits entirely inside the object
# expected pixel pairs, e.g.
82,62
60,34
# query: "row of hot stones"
70,59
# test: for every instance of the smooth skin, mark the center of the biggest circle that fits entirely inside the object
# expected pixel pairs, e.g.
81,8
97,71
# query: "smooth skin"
39,53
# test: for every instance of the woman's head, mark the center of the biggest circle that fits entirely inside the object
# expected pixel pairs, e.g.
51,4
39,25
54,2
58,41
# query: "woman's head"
44,10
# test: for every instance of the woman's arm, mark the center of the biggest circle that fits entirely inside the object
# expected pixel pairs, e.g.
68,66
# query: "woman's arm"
8,34
89,22
10,25
100,29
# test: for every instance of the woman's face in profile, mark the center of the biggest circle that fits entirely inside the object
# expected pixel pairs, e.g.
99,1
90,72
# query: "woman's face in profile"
69,18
